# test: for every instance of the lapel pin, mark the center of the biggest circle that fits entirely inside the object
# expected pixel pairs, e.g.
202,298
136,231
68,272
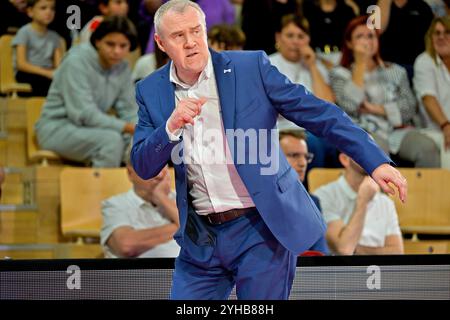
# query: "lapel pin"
226,70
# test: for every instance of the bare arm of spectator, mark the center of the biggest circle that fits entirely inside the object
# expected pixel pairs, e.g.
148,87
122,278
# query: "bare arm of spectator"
320,87
58,54
342,238
24,66
434,109
393,244
125,241
161,198
385,12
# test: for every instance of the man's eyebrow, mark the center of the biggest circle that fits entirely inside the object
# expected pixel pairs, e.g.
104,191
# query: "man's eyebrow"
181,31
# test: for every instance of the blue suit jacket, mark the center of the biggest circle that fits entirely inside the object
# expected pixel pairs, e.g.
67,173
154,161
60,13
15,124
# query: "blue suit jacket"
251,96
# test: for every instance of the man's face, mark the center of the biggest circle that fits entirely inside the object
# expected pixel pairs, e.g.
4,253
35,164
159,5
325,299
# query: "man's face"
183,37
296,151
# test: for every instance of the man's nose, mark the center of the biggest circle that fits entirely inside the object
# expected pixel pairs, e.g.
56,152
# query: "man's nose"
189,43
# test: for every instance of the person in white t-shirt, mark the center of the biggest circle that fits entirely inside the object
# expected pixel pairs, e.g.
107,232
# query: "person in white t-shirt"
432,83
360,219
141,222
297,60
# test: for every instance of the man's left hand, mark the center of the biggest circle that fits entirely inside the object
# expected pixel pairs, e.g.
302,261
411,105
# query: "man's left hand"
385,174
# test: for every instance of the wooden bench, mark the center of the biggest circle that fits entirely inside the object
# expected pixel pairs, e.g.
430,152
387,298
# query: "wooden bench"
34,153
82,190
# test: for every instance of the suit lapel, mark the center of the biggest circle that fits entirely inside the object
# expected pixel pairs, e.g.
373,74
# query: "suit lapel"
226,85
167,93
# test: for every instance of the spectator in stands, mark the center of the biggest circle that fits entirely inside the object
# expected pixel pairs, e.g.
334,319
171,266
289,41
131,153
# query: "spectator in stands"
141,222
328,19
226,37
377,95
261,19
360,219
432,85
14,16
298,61
148,63
92,79
108,8
403,26
38,50
293,144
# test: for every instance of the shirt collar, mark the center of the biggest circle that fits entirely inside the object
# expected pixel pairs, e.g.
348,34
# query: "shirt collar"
138,201
348,191
205,74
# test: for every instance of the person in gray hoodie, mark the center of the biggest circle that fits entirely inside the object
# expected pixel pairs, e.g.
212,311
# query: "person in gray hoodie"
90,111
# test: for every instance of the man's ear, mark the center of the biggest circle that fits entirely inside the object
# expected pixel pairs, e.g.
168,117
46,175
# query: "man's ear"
159,42
343,159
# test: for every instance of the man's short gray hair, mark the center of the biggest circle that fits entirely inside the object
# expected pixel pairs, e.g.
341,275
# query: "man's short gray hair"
177,6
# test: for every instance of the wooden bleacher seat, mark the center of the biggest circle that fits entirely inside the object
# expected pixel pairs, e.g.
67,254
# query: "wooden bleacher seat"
8,83
427,210
426,247
82,190
34,153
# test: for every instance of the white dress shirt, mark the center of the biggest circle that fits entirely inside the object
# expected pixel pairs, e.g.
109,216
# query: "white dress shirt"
215,186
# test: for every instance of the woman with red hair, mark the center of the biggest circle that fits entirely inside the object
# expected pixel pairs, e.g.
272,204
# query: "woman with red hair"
378,97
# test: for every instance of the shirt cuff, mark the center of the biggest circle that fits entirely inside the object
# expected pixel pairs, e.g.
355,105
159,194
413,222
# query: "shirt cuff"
175,136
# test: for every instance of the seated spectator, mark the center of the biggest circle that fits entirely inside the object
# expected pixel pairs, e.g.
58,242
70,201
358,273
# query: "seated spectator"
225,37
148,63
298,61
14,16
432,85
360,219
92,79
328,19
38,50
108,8
403,27
293,144
141,222
378,97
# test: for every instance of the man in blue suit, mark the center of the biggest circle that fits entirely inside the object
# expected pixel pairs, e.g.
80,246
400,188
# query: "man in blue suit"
244,217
